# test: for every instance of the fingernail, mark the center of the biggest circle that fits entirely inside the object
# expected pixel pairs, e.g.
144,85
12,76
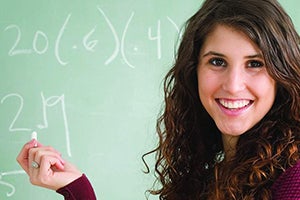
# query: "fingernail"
33,142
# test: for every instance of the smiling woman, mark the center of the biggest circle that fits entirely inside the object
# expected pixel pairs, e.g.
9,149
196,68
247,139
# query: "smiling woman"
233,93
233,83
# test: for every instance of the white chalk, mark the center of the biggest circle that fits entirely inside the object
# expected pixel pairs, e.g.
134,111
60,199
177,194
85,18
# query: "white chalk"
34,135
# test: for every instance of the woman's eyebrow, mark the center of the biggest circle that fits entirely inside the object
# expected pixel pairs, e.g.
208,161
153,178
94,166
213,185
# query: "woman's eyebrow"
258,55
213,53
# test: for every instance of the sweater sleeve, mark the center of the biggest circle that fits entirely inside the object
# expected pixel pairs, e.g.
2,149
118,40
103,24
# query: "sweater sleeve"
287,186
79,189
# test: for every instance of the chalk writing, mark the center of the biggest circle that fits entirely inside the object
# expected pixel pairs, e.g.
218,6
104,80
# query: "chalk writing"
157,37
40,42
6,184
174,24
58,39
117,40
89,45
50,102
115,35
47,103
14,51
40,34
123,41
12,127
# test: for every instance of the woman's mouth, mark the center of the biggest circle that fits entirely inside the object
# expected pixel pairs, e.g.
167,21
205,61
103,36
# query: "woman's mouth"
234,107
234,104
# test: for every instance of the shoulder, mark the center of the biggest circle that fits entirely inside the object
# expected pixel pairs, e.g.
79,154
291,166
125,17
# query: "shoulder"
287,186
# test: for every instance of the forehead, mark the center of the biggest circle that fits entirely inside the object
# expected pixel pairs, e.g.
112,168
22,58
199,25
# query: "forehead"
227,39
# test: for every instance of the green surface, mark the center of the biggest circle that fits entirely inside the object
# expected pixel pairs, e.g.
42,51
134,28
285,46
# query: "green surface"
86,75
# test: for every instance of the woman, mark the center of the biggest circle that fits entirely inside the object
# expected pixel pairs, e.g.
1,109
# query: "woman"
241,59
231,124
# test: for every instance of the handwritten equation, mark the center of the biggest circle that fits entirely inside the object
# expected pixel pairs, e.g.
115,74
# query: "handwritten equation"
43,42
40,41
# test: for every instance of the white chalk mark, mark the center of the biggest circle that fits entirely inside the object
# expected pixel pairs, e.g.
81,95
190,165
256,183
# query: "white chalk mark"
89,45
174,24
58,39
13,51
63,107
35,39
179,32
117,48
123,41
12,124
12,173
12,188
45,119
50,102
157,38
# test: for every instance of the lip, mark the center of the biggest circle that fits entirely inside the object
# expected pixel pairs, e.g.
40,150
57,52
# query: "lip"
234,111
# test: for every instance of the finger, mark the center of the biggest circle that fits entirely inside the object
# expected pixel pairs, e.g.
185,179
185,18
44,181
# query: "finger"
41,156
37,143
48,150
36,155
50,164
31,155
22,158
45,175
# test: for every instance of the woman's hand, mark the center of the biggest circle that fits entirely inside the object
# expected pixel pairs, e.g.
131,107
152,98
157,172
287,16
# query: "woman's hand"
45,166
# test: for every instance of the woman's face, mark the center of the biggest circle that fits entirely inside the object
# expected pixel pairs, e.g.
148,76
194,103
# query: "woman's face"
234,85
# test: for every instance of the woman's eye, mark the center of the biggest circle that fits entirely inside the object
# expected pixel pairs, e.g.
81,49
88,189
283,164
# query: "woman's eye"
217,62
255,64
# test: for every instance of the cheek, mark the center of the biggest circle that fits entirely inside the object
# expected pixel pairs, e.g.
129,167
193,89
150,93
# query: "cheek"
265,91
207,83
208,86
265,88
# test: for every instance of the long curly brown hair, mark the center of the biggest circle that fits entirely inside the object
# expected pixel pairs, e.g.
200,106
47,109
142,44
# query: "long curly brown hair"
188,156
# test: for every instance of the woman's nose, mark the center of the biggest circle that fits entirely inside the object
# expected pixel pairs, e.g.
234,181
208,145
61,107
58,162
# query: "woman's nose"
234,80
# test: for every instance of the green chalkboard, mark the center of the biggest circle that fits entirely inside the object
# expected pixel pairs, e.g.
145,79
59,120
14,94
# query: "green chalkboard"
86,75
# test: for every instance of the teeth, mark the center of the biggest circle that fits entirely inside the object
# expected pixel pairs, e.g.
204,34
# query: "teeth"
234,104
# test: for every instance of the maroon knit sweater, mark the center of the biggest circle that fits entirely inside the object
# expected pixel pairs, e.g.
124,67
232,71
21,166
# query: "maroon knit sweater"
286,187
80,189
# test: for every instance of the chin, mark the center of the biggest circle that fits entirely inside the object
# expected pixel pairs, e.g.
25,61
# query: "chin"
233,132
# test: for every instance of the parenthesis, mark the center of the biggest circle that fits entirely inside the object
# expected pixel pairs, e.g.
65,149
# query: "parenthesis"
57,42
116,51
123,41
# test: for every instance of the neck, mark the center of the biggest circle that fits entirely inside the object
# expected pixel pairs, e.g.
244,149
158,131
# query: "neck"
229,143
